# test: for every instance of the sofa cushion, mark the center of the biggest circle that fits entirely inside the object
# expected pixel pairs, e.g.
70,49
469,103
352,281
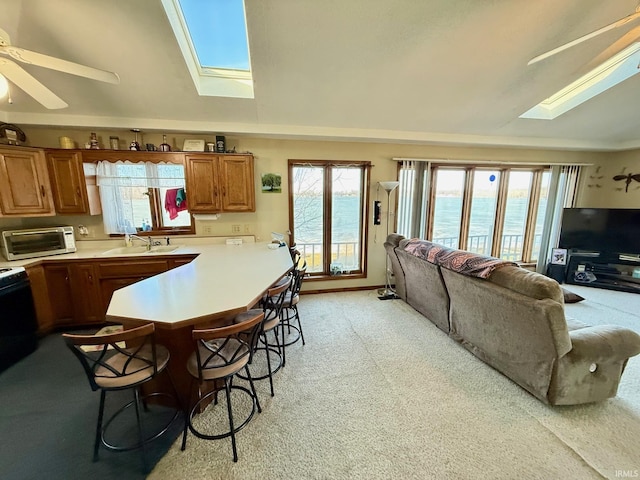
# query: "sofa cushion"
570,297
528,283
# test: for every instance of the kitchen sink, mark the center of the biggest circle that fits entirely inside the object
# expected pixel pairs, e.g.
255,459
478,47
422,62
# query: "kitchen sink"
164,248
126,251
141,250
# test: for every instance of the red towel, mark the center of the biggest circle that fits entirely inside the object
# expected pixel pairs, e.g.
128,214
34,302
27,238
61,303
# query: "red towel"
171,205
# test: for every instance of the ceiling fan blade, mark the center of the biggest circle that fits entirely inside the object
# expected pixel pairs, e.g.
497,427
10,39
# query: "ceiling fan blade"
19,76
586,37
34,58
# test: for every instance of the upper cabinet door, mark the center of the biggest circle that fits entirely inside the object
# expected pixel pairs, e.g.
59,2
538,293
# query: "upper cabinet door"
237,184
68,182
24,183
201,172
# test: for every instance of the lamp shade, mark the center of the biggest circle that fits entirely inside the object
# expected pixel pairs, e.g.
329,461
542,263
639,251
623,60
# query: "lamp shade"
389,186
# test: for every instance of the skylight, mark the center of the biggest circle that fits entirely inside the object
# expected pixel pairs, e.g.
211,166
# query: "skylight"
212,36
610,73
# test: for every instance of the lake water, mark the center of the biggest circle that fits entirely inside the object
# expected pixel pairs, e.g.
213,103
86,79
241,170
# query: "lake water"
346,218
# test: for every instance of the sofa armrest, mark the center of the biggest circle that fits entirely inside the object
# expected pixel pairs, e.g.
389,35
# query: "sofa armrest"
603,344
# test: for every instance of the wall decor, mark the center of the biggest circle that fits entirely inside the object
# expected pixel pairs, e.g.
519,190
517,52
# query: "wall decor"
627,178
595,178
271,183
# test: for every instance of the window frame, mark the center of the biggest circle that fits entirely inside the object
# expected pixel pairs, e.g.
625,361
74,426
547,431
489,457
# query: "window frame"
501,202
365,166
155,206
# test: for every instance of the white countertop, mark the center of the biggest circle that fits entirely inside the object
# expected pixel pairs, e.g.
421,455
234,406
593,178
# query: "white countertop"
221,281
95,249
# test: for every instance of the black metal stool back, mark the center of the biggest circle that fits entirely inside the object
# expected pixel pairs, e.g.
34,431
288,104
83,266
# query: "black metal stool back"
120,361
220,353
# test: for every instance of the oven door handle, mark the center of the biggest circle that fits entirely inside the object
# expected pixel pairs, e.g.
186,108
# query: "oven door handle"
33,232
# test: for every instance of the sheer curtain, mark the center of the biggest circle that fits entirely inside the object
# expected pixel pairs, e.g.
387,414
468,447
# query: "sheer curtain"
413,194
116,181
562,194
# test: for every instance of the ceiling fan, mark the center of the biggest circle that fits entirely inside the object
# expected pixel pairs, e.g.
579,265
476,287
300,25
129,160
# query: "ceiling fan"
588,36
19,76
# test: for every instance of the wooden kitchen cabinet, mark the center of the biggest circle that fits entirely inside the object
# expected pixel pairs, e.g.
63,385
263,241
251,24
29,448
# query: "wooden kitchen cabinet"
87,300
74,294
72,194
24,183
220,183
59,292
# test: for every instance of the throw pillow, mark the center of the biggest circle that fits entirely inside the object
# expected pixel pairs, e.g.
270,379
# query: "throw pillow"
570,297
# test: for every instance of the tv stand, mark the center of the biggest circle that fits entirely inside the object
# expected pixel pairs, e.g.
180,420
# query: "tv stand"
604,270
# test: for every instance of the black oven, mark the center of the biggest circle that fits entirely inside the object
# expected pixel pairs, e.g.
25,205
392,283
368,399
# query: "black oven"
18,324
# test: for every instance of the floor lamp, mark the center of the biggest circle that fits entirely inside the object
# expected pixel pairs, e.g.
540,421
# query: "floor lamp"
387,293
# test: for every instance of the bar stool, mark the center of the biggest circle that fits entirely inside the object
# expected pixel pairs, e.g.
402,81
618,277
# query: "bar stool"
271,307
123,361
220,353
289,312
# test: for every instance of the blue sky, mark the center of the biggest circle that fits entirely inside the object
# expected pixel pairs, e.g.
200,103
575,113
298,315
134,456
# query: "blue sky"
218,31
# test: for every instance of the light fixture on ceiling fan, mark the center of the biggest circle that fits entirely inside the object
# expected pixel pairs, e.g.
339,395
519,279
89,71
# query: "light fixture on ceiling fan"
588,36
17,75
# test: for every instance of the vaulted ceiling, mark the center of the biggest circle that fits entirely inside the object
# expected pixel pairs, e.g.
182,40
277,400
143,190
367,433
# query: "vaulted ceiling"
433,71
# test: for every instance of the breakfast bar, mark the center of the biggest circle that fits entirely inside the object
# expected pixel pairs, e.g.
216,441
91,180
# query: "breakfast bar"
221,282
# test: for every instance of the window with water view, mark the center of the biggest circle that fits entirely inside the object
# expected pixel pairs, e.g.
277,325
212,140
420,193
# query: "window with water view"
498,212
328,215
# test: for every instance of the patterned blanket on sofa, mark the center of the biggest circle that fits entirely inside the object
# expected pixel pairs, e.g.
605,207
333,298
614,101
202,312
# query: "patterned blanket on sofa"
466,263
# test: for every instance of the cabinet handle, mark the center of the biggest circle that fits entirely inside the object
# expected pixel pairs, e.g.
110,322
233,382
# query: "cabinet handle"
215,191
224,191
42,190
78,191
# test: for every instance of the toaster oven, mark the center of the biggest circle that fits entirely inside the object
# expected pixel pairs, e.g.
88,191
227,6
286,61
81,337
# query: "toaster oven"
37,242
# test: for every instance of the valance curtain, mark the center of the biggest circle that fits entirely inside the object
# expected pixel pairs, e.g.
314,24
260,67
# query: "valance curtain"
116,180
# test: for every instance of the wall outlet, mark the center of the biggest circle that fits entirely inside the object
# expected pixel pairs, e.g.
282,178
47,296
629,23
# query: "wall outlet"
207,229
235,228
247,228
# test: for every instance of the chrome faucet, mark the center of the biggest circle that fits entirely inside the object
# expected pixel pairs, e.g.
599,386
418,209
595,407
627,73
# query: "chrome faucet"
148,241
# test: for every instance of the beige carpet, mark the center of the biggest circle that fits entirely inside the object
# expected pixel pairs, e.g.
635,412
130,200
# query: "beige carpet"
379,392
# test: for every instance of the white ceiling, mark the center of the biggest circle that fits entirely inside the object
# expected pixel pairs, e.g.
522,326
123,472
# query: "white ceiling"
430,71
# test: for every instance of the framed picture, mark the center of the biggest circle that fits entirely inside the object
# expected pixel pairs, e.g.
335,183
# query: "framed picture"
271,183
193,145
559,256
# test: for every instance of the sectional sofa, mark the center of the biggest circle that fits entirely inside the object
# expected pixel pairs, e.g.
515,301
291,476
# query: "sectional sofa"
512,319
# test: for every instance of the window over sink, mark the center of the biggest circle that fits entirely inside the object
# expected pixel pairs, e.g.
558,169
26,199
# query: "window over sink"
143,197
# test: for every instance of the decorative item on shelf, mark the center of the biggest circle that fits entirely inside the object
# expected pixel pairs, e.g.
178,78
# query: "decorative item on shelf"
93,142
220,144
151,147
67,142
114,143
164,146
387,293
193,145
135,145
211,147
11,134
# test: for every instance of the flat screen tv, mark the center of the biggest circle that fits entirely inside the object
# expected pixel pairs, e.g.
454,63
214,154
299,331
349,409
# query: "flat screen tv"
605,230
